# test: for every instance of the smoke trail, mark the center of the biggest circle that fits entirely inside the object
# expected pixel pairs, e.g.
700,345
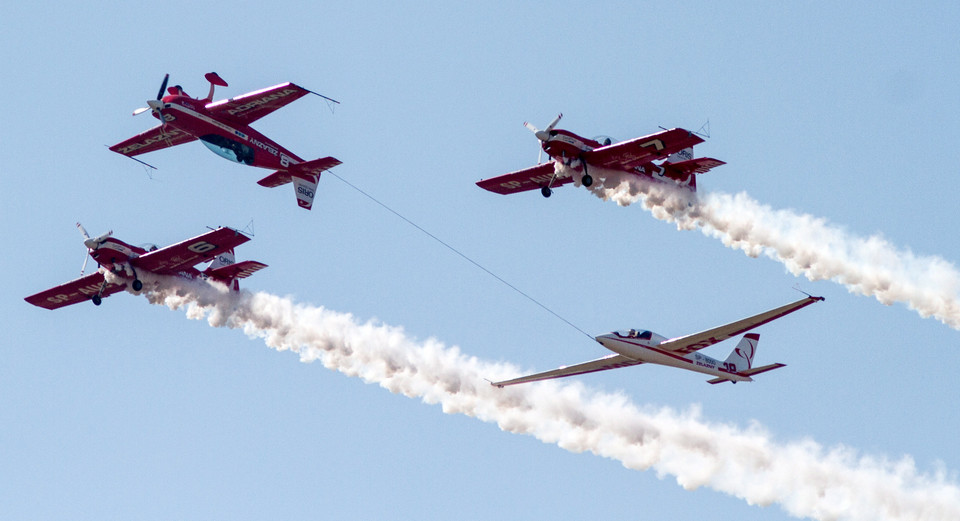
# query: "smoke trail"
806,245
804,478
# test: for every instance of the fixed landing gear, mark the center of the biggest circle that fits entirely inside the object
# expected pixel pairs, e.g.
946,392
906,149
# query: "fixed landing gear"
546,191
587,180
137,285
96,300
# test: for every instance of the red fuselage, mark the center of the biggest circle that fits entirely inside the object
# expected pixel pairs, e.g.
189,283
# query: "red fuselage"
237,142
565,145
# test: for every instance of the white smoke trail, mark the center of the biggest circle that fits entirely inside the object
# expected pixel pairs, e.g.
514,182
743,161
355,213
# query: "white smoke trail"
804,478
806,245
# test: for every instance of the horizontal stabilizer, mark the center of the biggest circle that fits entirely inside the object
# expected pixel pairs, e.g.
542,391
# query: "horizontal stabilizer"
309,170
749,372
278,178
313,169
700,165
239,270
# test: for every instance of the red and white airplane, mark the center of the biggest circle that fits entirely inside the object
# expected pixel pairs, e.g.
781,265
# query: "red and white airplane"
224,127
635,347
128,262
664,156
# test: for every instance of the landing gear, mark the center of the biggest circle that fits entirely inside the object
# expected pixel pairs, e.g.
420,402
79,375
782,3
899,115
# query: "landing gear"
96,300
137,285
587,180
546,191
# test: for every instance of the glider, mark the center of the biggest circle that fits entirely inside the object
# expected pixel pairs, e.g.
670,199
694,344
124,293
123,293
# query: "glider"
128,262
663,156
635,347
224,127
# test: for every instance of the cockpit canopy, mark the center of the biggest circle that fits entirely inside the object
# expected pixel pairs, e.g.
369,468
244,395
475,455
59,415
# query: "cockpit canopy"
228,148
634,333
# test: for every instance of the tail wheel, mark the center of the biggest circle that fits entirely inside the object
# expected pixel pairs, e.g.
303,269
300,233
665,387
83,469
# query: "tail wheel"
545,191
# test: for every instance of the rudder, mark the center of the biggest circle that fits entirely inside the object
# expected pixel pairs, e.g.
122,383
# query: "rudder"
741,358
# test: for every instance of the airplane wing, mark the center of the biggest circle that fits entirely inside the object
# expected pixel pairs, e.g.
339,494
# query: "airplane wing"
188,253
614,361
73,292
153,139
697,341
532,178
635,152
254,105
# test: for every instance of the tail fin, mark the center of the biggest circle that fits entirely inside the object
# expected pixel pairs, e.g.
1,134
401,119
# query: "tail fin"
304,177
224,259
741,359
684,155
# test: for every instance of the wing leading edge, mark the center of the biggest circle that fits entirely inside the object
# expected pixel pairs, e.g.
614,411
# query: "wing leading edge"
614,361
690,343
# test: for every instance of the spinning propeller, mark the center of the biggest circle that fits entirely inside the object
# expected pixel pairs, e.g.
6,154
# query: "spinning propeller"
91,244
543,135
157,104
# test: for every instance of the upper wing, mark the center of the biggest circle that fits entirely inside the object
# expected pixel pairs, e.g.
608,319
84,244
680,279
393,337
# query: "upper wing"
697,341
601,364
153,139
254,105
522,180
190,252
635,152
72,292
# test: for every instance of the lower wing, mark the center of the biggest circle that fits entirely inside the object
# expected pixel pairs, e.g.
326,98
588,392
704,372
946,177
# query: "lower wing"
156,138
73,292
601,364
532,178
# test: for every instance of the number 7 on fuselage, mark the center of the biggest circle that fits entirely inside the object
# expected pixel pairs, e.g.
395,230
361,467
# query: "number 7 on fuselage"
224,127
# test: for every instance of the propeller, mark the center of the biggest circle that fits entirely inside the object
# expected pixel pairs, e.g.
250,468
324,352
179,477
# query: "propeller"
543,135
90,243
157,104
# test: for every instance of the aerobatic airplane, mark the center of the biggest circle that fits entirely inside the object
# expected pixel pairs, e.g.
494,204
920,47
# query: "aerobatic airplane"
224,127
664,156
128,262
635,347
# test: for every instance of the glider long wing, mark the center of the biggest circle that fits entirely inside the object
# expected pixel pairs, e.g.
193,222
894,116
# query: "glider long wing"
614,361
697,341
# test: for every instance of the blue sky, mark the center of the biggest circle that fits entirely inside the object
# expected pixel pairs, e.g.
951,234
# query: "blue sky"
846,112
